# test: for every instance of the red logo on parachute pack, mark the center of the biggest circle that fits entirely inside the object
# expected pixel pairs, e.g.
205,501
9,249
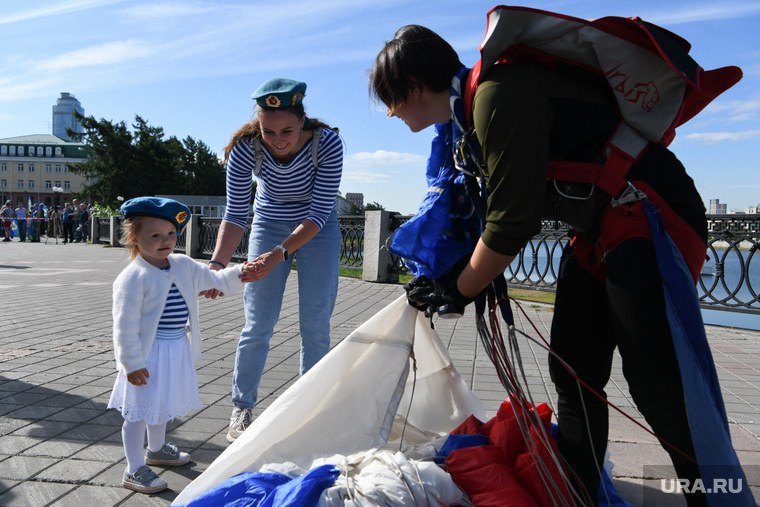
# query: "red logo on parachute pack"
645,94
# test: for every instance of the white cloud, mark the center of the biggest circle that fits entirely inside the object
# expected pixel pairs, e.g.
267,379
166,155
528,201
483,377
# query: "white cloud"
164,10
384,158
104,54
720,137
707,12
364,177
735,110
395,180
55,9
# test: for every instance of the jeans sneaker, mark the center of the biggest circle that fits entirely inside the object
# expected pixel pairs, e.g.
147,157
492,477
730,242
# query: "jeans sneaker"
169,455
144,480
240,419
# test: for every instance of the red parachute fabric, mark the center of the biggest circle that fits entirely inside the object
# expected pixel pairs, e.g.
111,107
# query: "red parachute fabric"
504,472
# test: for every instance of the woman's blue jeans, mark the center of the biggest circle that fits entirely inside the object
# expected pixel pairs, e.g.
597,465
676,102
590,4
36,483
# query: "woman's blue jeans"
318,266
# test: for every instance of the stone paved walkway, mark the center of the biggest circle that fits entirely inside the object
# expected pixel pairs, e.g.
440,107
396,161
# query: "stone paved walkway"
60,446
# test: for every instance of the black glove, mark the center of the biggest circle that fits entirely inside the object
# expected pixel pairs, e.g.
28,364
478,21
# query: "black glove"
418,291
446,299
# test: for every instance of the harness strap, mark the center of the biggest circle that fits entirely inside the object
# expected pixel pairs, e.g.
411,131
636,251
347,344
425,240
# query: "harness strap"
258,153
629,220
469,90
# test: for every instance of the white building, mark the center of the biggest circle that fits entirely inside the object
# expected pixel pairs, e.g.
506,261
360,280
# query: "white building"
31,167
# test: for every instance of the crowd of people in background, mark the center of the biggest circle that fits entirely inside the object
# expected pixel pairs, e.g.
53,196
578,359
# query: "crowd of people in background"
70,222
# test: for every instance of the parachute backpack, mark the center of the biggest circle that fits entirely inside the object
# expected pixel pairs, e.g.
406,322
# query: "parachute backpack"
657,85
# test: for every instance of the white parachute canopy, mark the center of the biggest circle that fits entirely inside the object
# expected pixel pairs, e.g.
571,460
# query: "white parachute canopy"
348,402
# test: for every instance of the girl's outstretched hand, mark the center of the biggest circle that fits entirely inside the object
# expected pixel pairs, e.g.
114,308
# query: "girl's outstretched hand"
139,377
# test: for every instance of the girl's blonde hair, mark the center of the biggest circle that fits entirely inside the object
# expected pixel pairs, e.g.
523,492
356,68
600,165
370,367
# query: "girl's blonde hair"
130,228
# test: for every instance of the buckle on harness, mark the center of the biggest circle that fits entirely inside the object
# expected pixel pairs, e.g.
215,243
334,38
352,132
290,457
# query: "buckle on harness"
630,194
574,197
466,159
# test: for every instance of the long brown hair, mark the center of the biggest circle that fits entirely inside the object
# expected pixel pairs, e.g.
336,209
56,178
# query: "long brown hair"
252,129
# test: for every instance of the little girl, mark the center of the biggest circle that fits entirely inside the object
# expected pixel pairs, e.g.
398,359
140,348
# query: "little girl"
156,334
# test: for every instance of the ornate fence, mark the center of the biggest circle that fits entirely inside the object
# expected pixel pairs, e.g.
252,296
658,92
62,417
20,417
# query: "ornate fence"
730,280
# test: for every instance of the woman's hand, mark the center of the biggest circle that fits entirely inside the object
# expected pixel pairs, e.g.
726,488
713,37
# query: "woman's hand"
250,272
138,377
262,265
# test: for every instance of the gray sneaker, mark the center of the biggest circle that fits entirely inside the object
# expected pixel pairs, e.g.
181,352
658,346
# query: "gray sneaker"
169,455
144,480
240,419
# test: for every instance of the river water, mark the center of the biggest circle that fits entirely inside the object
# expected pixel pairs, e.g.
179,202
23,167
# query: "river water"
734,264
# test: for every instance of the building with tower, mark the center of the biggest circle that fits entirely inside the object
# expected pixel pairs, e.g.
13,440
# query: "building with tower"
36,167
63,116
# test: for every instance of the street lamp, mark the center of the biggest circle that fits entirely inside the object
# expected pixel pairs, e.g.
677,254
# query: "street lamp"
58,191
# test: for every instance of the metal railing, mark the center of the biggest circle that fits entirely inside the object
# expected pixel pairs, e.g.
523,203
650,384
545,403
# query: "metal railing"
730,280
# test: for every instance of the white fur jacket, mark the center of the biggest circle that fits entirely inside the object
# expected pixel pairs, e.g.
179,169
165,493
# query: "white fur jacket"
139,297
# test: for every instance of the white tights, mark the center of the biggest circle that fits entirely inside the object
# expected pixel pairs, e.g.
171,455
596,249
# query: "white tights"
133,437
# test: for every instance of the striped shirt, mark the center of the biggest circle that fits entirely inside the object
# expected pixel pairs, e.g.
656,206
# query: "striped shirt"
289,192
175,311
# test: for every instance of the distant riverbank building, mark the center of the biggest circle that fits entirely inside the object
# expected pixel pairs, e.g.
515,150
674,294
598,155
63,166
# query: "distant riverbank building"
355,198
716,208
37,167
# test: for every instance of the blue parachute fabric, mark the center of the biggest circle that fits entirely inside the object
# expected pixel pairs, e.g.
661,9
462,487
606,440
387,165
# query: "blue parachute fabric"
718,463
608,495
454,442
270,490
427,242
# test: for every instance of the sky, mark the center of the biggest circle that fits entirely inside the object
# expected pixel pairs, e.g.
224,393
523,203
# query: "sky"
190,66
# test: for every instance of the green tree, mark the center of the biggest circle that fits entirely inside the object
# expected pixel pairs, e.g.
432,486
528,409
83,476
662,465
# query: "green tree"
374,206
354,209
205,172
141,161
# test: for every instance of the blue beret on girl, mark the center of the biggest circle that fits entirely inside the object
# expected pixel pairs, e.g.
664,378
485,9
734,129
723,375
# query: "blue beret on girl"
158,207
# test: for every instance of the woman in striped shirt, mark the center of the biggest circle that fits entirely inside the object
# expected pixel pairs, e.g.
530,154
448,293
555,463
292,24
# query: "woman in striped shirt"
298,162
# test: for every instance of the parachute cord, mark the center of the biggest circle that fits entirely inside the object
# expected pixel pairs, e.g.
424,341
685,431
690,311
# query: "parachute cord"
505,358
411,397
525,415
579,380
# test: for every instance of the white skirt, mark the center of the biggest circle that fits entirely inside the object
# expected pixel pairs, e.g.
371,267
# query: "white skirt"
172,388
